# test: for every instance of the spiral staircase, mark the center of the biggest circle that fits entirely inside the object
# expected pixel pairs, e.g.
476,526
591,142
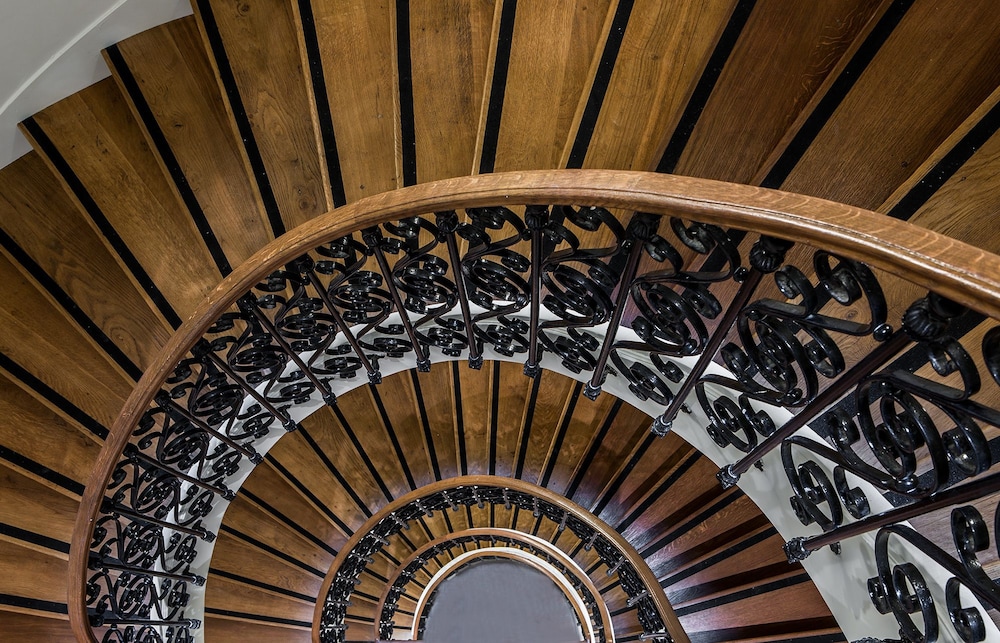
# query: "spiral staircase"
223,131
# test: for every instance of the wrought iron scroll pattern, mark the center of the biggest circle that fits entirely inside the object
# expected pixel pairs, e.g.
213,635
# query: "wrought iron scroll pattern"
334,626
552,284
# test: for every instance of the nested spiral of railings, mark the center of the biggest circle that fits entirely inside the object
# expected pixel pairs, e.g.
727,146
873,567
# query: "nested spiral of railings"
642,283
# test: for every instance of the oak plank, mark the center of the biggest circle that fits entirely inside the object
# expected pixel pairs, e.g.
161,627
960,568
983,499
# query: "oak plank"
552,403
37,575
50,627
438,394
512,413
261,46
935,69
400,403
27,504
358,53
45,223
228,630
233,596
587,418
245,517
177,83
237,557
94,132
40,337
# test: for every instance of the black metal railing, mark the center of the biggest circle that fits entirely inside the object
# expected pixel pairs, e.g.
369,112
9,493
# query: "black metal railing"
652,304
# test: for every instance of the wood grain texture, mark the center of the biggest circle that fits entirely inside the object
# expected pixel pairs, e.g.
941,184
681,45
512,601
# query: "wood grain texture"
37,575
262,50
50,627
29,505
553,50
238,557
178,85
783,55
45,223
329,434
244,517
93,130
230,630
438,395
39,336
358,53
936,68
648,88
233,596
33,430
449,46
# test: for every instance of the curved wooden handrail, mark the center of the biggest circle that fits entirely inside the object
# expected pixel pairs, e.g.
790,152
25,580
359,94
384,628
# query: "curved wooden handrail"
956,270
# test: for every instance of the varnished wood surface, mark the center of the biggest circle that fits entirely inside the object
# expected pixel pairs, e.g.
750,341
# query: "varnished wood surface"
261,48
179,90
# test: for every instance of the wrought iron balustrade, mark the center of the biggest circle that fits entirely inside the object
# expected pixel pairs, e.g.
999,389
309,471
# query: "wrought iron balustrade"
684,295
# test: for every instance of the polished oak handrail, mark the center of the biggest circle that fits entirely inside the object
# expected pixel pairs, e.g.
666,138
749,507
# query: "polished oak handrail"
953,269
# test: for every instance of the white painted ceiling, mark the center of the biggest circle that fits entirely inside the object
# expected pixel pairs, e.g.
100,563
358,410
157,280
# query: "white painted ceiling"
52,48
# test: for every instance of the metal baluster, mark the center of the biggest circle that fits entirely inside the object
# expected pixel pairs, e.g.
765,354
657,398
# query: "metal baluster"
111,508
134,454
447,223
167,403
536,217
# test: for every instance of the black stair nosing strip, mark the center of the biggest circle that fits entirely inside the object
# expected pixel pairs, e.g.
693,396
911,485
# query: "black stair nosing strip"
324,116
273,551
588,459
261,618
555,538
67,303
538,524
750,592
404,612
302,531
619,480
71,411
367,620
472,521
447,521
949,164
731,583
427,530
550,466
321,454
406,541
364,595
374,574
92,210
345,528
529,419
34,538
498,86
361,452
706,84
36,604
835,95
682,468
393,438
404,71
599,88
41,470
797,630
392,559
425,421
463,458
239,113
494,417
261,585
169,159
686,526
717,558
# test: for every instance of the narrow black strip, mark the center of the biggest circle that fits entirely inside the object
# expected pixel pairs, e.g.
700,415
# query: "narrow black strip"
594,447
41,470
703,90
538,524
408,137
468,511
956,157
447,521
90,206
375,575
491,135
623,474
33,604
365,596
493,515
836,94
240,117
750,592
427,530
685,527
732,583
302,531
360,619
34,538
265,620
798,630
262,585
169,160
309,494
494,417
70,306
326,130
361,452
463,460
428,435
273,551
55,399
406,541
561,433
602,78
715,559
392,437
336,474
392,559
522,451
655,495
